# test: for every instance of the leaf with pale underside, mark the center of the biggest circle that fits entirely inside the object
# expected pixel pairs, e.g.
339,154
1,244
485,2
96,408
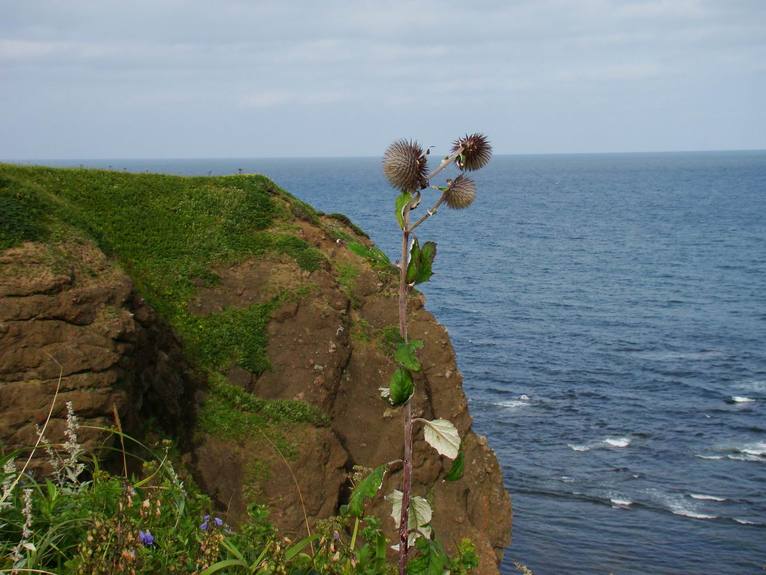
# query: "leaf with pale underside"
420,511
442,436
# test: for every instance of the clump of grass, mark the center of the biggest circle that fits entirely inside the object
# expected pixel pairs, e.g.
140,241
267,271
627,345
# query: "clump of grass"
347,221
254,411
374,255
21,213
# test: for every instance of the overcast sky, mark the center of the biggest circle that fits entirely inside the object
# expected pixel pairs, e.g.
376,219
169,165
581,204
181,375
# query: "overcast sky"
226,78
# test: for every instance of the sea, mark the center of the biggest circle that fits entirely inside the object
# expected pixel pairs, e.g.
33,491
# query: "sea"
608,312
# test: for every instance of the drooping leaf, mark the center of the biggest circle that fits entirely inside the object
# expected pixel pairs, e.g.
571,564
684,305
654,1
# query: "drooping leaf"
405,354
420,267
457,469
442,436
419,516
401,201
401,386
431,558
366,489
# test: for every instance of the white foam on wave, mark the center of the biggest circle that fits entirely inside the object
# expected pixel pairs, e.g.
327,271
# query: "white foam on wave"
744,521
521,401
711,457
511,404
617,441
744,457
742,399
677,504
620,503
692,514
702,497
755,449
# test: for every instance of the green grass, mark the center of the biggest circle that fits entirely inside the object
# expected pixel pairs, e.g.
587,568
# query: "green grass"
230,412
169,233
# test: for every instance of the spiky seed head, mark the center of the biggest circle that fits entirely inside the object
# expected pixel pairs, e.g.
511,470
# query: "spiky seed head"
460,193
476,151
406,166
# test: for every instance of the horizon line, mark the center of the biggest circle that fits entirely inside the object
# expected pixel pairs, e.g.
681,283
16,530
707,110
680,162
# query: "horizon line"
339,157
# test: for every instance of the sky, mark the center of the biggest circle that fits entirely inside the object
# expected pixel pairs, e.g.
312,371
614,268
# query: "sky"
190,78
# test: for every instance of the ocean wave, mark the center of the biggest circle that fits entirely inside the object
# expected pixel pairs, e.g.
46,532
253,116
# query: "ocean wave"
680,355
617,442
702,497
521,401
677,504
744,521
756,449
693,514
741,399
620,503
748,452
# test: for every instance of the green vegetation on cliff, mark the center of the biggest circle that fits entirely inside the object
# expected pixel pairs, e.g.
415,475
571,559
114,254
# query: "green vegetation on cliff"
170,234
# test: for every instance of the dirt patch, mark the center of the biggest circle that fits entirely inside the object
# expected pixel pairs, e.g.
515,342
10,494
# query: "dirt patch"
246,283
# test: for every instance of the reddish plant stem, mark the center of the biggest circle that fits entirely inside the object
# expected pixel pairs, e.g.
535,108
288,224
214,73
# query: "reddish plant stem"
407,461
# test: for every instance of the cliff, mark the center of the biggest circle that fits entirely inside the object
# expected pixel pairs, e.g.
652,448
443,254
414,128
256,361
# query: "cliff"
254,329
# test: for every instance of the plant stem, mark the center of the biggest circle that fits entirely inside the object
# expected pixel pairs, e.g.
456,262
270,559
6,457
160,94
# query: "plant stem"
443,164
407,461
353,535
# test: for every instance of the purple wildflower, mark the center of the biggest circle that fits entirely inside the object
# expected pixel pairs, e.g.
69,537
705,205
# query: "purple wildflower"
217,522
146,538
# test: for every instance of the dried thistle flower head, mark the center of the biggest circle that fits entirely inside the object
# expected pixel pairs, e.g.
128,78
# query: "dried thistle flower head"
406,166
476,151
460,193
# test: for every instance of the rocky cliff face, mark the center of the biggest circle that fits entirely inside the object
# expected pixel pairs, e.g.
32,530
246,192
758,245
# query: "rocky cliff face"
70,317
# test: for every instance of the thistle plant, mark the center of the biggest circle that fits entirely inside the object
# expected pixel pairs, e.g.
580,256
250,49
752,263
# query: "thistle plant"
405,164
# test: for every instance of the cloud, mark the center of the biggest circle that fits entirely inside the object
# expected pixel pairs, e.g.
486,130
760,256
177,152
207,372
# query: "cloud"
389,66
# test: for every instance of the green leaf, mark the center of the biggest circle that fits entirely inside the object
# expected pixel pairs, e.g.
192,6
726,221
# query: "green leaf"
420,267
401,201
366,489
457,469
431,559
216,567
401,386
405,354
296,548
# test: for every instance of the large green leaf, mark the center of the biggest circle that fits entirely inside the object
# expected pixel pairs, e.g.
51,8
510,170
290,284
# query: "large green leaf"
420,267
457,469
431,558
405,354
401,386
367,488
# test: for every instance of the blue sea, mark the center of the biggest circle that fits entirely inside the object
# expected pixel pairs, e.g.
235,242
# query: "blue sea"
609,317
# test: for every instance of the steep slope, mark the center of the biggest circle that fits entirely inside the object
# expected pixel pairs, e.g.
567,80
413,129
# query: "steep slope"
254,328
